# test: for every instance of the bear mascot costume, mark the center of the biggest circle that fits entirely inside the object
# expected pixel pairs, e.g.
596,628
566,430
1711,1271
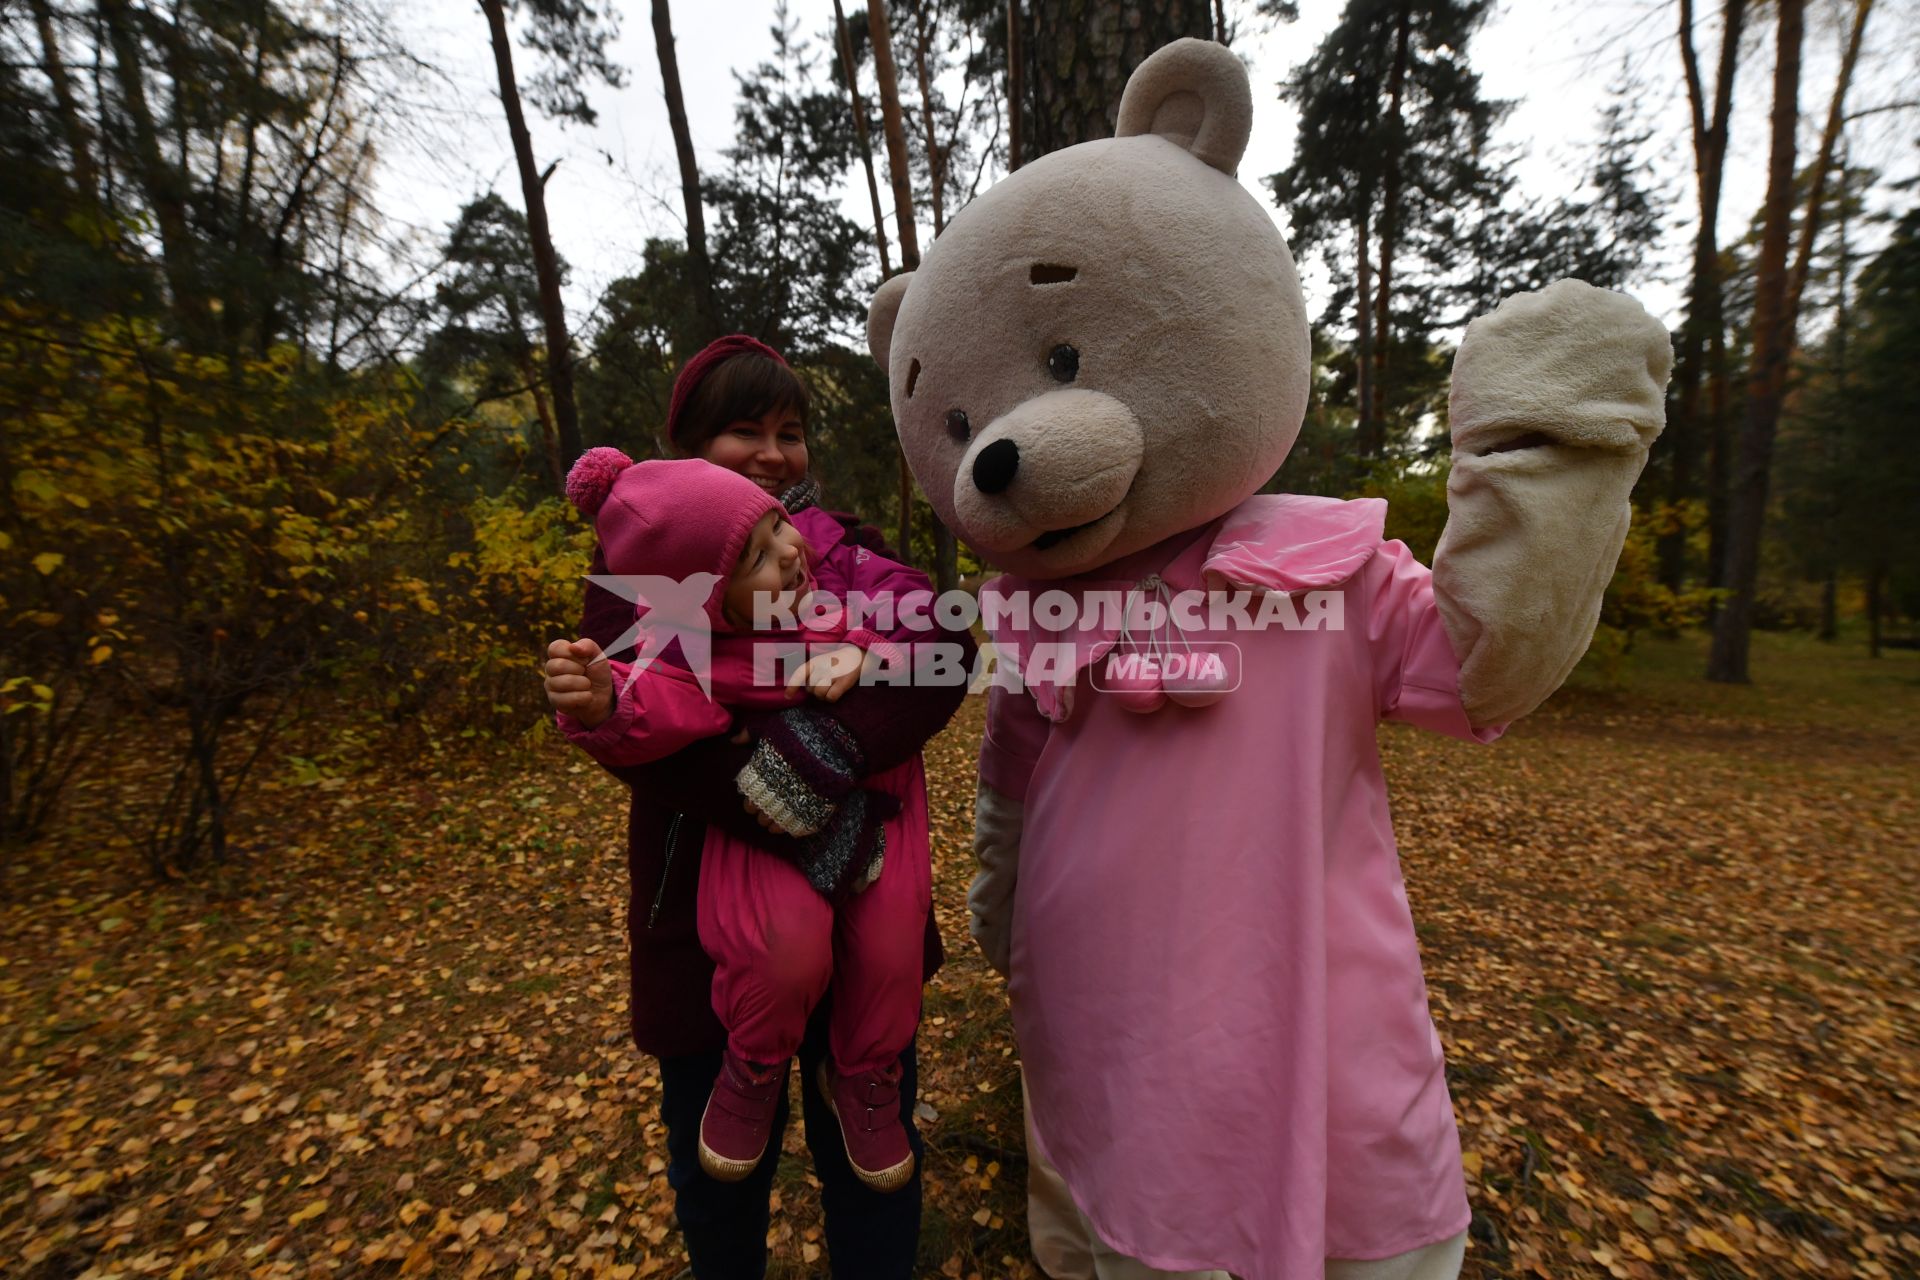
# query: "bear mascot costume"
1189,874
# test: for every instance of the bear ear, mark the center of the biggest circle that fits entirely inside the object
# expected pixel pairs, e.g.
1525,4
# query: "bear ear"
1194,93
880,316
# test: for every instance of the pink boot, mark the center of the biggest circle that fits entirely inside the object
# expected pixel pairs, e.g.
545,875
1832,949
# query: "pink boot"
868,1108
739,1118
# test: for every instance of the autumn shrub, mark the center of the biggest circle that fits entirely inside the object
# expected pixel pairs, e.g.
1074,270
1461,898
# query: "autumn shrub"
1783,603
462,637
1636,601
1416,503
189,544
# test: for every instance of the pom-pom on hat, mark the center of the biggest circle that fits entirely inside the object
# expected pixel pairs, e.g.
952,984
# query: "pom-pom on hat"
668,518
703,363
592,477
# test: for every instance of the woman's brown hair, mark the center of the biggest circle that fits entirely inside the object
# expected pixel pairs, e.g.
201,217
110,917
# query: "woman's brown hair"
743,387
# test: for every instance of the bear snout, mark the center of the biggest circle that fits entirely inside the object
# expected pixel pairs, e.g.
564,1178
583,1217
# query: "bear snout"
1057,462
995,465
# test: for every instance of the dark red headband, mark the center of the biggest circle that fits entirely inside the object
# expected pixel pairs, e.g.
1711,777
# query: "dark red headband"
696,369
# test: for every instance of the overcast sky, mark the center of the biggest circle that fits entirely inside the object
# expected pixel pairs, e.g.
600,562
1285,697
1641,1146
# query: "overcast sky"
618,183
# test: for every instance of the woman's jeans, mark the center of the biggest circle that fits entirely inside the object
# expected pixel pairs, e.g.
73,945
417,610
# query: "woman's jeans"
871,1235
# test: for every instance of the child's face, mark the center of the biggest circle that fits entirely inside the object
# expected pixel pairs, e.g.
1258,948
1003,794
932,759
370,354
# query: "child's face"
772,568
771,450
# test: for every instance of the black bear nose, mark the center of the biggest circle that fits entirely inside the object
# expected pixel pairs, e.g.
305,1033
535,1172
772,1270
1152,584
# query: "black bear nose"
993,466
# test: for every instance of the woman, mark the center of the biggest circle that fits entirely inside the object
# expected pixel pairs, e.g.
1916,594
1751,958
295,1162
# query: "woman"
737,404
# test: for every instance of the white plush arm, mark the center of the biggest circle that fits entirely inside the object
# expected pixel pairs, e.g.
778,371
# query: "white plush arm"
1557,396
996,845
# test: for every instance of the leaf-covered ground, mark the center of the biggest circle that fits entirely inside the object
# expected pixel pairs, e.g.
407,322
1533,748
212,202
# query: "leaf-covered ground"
1672,936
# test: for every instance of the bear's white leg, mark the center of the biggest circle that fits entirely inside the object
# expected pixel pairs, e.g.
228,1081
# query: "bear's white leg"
1438,1261
1064,1243
1055,1231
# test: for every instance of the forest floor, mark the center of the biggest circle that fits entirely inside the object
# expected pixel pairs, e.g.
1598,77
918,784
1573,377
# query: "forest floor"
1671,934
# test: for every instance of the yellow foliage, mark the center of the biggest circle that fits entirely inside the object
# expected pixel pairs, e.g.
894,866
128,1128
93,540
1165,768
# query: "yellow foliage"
1636,600
195,527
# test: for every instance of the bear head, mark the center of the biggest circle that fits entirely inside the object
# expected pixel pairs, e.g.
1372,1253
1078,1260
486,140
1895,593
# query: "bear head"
1109,347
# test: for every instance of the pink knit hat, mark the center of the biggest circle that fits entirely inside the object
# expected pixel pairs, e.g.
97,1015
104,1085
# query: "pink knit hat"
668,519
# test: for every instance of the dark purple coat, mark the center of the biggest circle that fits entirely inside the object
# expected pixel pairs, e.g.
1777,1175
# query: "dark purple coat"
675,798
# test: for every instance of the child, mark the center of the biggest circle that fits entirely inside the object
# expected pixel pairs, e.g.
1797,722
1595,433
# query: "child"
775,936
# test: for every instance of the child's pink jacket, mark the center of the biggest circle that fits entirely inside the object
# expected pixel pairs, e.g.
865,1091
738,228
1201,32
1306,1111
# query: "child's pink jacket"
1215,979
665,709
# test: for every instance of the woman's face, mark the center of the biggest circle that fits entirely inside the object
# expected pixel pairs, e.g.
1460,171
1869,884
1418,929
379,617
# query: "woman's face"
771,451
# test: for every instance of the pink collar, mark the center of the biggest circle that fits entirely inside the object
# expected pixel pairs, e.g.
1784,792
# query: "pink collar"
1271,542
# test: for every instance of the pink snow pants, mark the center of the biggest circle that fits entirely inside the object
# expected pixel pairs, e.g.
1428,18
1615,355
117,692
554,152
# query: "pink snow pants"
776,944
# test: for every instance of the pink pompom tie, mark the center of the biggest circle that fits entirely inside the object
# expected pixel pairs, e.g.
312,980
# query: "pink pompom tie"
592,477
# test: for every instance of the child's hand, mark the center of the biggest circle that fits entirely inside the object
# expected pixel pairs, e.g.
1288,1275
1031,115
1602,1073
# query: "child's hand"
829,675
579,681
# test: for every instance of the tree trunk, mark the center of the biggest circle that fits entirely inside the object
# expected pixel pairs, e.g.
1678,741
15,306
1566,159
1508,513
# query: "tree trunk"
1016,84
1842,327
946,560
241,236
896,132
1822,166
1364,427
936,166
546,265
543,414
1084,50
689,172
1775,337
881,35
79,140
1389,212
860,131
164,185
1704,318
1876,576
1719,457
1772,341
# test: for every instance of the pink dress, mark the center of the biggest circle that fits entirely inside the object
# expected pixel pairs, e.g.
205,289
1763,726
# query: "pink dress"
1215,982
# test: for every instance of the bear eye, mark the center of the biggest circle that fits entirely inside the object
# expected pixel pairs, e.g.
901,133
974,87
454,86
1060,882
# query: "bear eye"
957,425
1063,362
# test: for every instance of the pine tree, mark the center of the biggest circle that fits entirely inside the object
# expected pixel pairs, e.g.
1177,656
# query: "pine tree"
206,164
789,267
1603,234
951,142
1880,471
1391,162
1695,430
573,36
489,305
697,257
650,322
1776,315
1817,511
849,72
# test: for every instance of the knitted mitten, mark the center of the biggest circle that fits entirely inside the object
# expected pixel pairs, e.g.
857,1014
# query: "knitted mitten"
804,765
847,854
